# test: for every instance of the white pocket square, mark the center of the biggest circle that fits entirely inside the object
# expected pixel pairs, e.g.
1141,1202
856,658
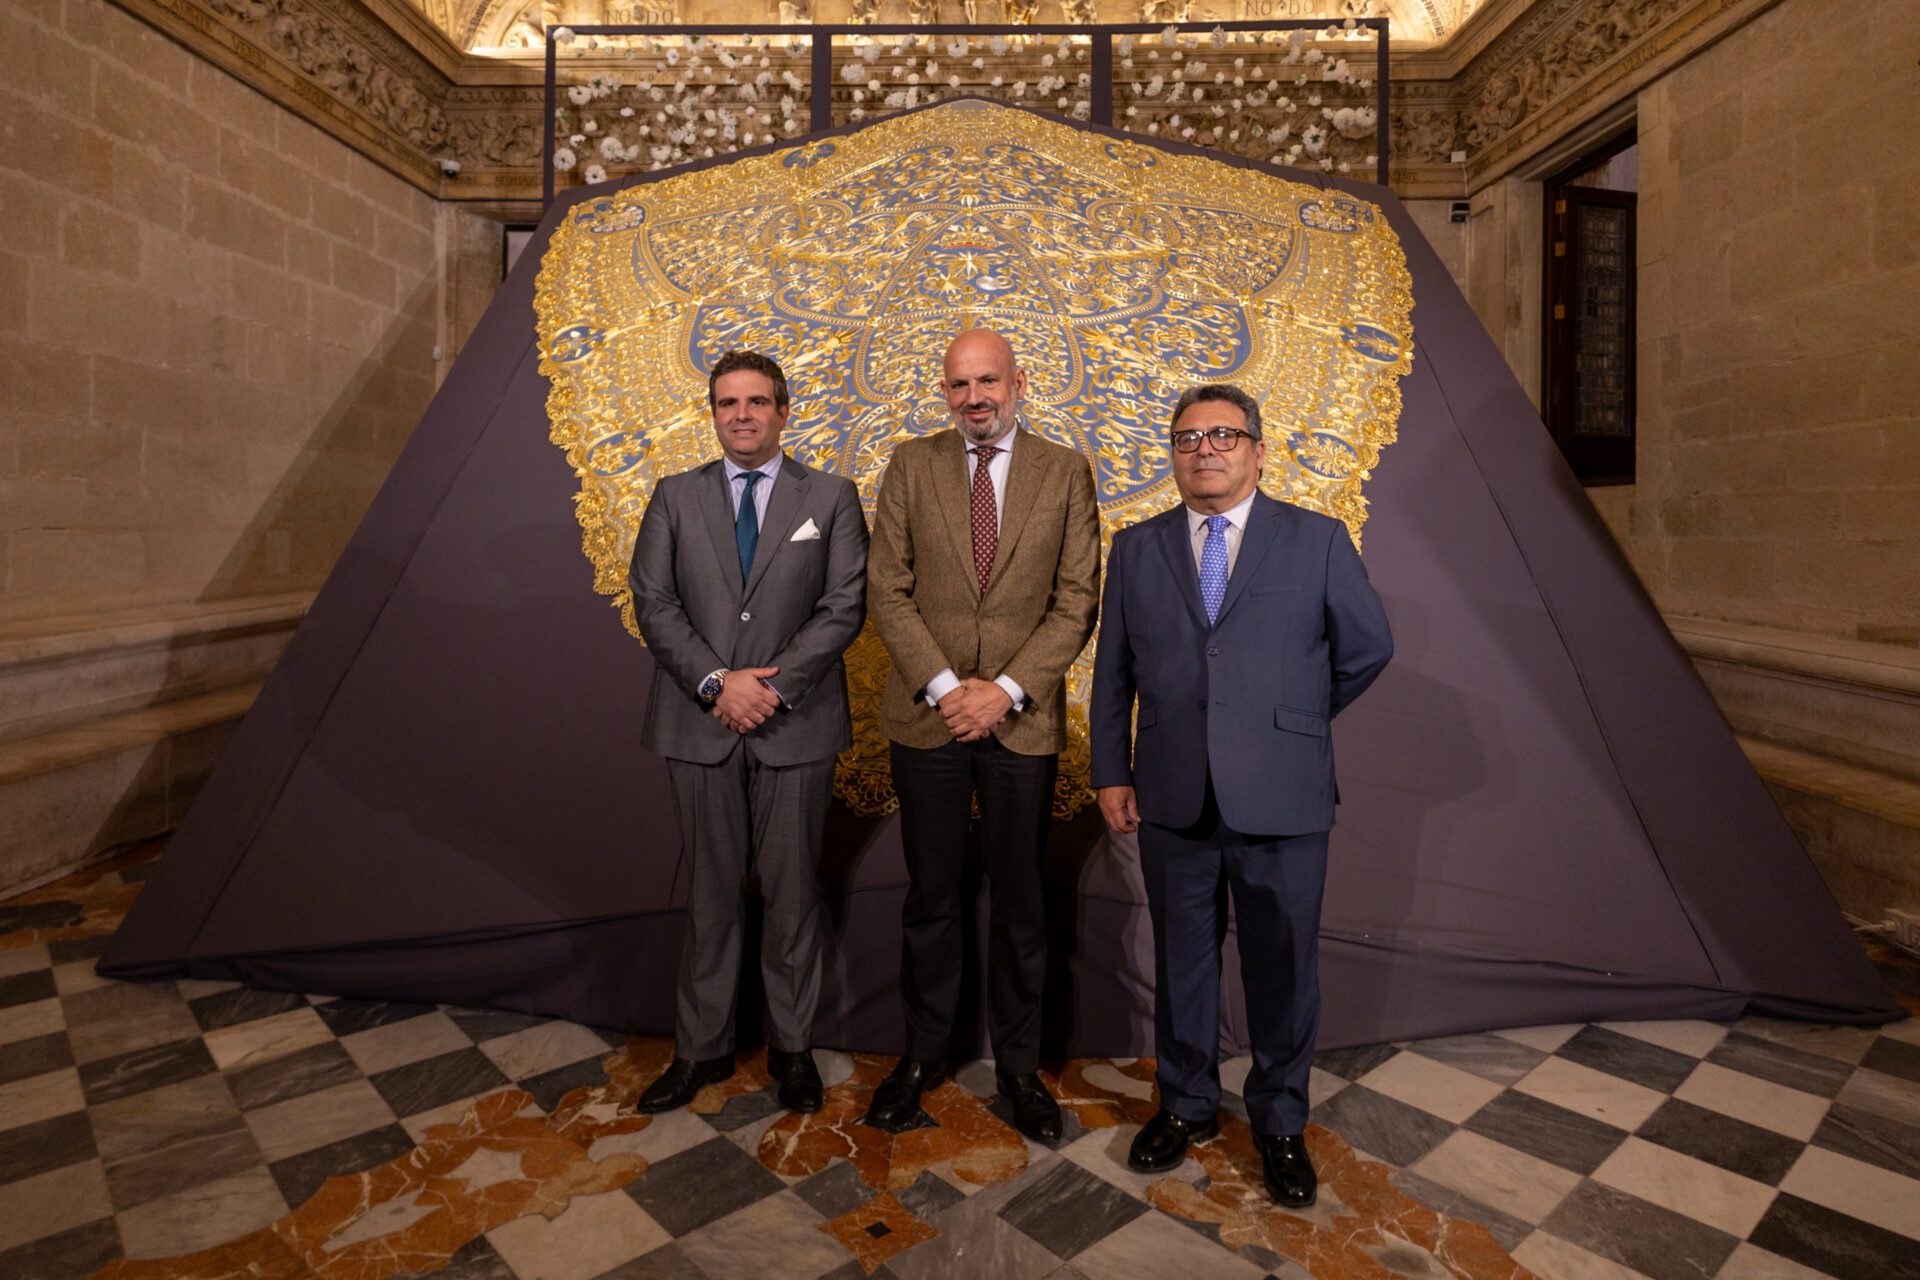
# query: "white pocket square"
808,532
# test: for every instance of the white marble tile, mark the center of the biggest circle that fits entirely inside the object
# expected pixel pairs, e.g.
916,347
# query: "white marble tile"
1545,1039
77,976
670,1133
49,1203
1103,1153
1703,1192
264,1039
1750,1262
41,1097
25,1021
23,959
1233,1073
777,1236
1498,1176
543,1048
1690,1036
1434,1087
1155,1247
1845,1044
157,1025
420,1123
409,1040
594,1234
195,988
209,1214
1607,1098
301,1124
1552,1258
1322,1085
1762,1102
1854,1187
1907,1031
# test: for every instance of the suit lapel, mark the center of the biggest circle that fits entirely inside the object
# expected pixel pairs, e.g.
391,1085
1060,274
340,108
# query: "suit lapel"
951,492
783,514
1026,476
718,506
1176,543
1263,523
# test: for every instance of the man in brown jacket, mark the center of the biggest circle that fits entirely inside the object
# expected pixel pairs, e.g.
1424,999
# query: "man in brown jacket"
982,580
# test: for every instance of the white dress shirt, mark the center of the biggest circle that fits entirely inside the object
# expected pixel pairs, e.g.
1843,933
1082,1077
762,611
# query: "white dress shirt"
997,469
762,489
1236,531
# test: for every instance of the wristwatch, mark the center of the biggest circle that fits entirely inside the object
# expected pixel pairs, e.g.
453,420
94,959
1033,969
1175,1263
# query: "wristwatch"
709,690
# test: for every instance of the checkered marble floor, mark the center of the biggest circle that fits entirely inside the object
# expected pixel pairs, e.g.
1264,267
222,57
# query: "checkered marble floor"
152,1121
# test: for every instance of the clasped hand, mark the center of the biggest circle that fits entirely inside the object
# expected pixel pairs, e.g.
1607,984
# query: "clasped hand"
972,710
745,700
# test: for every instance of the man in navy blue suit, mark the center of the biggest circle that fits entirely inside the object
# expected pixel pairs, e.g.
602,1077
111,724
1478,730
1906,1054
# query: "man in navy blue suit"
1241,626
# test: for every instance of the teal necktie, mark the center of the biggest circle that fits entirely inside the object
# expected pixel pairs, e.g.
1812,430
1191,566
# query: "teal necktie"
746,525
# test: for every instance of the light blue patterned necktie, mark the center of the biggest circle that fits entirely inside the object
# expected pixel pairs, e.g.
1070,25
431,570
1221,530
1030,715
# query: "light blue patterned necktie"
746,525
1213,567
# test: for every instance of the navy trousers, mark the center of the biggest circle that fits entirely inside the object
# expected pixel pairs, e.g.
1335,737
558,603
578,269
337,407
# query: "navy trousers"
1276,883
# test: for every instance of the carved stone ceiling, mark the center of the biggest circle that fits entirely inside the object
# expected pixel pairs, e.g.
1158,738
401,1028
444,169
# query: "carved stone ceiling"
512,28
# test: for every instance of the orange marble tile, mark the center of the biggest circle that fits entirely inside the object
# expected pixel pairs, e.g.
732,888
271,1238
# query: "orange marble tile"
501,1160
100,897
877,1230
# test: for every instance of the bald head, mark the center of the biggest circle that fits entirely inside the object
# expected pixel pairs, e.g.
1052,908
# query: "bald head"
983,385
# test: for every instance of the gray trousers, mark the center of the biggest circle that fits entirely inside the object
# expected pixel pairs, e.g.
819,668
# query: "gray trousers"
738,814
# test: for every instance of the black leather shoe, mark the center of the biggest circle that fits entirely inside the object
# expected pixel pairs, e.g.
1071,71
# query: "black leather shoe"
681,1080
1291,1180
798,1078
1162,1142
896,1103
1035,1113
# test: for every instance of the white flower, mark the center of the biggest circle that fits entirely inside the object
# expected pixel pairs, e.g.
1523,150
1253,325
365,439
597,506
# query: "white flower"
579,95
953,81
564,159
594,173
998,81
591,126
626,111
563,35
577,139
997,45
610,147
978,63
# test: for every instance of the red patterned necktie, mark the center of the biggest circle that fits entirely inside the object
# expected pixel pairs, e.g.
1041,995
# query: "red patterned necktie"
986,524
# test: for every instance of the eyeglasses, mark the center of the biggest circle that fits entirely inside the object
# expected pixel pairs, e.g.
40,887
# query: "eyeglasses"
1223,439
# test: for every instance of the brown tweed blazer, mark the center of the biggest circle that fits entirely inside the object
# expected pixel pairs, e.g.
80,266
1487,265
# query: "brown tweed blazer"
925,600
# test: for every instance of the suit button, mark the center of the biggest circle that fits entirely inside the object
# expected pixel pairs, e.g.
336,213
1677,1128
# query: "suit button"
746,617
1213,653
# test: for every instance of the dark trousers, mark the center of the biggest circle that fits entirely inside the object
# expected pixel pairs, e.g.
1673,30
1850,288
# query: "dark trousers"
738,814
1276,882
936,787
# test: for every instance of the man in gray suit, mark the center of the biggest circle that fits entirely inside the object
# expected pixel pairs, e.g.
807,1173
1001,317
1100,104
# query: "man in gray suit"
749,582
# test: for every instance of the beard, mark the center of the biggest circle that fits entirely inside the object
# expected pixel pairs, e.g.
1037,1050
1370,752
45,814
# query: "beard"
990,430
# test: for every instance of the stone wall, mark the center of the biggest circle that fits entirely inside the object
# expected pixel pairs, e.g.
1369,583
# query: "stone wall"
216,323
1779,397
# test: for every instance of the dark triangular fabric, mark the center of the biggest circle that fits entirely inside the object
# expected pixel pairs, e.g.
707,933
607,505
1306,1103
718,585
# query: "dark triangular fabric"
441,795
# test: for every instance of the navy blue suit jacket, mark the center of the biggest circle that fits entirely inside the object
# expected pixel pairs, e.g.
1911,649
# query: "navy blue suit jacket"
1300,634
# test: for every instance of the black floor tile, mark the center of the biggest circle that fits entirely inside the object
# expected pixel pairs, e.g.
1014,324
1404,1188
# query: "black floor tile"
309,1070
25,988
34,1057
490,1024
39,915
1628,1058
1382,1126
837,1190
434,1082
126,1074
665,1263
1505,1228
1657,1242
192,1162
79,1252
929,1194
300,1176
47,1144
1841,1246
549,1087
1540,1128
1894,1057
703,1184
67,950
346,1016
1351,1064
1780,1063
1734,1145
1067,1209
1875,1139
242,1004
741,1111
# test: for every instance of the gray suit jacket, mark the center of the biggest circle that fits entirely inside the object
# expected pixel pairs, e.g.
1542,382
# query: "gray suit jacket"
800,607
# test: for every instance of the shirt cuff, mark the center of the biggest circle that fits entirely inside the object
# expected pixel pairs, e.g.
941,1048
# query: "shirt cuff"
784,704
941,685
1013,689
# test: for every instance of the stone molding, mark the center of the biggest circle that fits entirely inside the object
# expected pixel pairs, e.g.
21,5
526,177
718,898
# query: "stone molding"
1518,78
